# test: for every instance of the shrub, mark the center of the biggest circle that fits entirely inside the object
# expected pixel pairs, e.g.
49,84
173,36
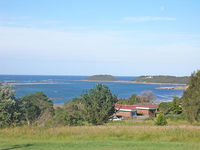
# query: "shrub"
161,120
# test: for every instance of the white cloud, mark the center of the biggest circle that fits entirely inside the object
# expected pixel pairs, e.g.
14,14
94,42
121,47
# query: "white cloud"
26,50
147,18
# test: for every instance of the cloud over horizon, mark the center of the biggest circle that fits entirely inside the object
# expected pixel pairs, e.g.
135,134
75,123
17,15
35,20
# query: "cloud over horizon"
148,18
109,37
95,49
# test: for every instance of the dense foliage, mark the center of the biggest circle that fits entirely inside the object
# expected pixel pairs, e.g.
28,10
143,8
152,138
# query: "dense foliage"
98,104
95,106
37,107
173,107
10,114
33,108
162,79
191,98
70,114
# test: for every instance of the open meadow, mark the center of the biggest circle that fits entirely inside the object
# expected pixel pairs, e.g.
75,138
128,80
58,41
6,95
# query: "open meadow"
127,135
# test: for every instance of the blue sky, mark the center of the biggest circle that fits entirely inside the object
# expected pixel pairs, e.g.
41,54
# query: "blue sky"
76,37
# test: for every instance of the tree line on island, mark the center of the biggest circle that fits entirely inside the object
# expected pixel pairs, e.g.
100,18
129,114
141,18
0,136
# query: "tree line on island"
94,107
143,79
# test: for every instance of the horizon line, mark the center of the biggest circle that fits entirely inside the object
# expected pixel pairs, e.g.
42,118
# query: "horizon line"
92,75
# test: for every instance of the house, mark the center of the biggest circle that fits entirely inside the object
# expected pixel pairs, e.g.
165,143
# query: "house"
132,111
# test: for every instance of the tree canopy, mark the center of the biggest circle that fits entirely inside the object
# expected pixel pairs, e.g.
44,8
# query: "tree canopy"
98,104
10,114
37,107
191,98
173,107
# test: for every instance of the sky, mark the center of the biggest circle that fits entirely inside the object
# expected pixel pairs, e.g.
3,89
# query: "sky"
117,37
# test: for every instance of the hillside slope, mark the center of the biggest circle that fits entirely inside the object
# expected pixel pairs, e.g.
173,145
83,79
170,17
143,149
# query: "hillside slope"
162,79
102,78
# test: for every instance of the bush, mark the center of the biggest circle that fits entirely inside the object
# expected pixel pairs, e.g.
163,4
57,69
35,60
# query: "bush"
161,120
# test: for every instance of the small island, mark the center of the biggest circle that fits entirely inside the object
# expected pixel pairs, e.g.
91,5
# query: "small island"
162,79
101,78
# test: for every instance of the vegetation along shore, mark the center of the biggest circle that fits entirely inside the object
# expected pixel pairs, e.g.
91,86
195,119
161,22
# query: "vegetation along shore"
167,80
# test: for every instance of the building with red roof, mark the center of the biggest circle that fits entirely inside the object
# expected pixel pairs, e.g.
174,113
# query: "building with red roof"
133,111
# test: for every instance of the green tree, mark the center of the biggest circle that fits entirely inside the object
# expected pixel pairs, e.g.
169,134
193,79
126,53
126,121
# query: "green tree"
70,114
176,106
10,114
191,98
161,120
74,112
31,110
98,104
134,99
165,107
37,107
173,107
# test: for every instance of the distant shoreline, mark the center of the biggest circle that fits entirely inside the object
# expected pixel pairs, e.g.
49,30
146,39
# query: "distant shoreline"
119,81
134,82
29,83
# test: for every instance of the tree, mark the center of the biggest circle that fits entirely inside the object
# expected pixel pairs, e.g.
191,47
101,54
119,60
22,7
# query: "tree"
31,110
98,104
10,114
161,120
65,117
173,107
191,98
134,99
176,106
37,107
165,107
74,112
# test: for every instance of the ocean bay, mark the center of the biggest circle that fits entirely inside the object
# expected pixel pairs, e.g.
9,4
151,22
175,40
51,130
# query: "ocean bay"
63,88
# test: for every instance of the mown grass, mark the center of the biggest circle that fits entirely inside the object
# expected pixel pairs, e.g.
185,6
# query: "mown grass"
125,135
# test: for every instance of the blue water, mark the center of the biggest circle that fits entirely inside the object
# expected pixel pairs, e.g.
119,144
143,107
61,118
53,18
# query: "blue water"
68,87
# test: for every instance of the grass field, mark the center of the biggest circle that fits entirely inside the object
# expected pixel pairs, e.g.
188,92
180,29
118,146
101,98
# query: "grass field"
117,136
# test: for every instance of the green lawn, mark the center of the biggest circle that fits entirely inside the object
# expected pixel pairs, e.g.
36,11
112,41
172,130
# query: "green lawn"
115,136
26,144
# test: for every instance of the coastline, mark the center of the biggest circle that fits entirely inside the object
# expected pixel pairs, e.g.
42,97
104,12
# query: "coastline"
29,83
174,86
135,82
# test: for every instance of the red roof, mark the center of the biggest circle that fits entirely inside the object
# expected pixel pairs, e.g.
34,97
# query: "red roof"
131,107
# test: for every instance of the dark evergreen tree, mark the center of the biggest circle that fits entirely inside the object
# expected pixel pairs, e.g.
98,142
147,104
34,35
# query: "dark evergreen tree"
98,104
176,106
191,98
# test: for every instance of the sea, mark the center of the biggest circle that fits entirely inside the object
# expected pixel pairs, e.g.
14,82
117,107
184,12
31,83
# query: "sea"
64,88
